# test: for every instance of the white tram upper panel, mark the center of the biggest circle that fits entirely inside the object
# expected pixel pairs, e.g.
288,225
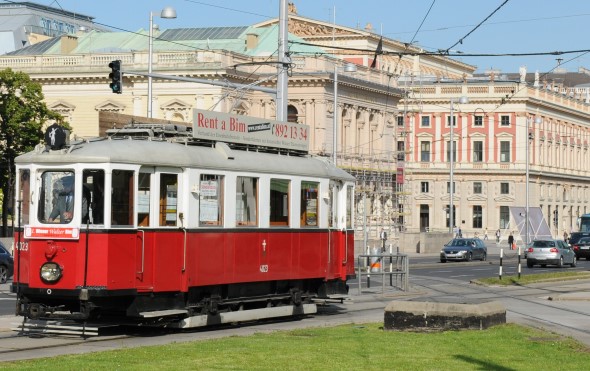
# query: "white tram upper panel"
174,154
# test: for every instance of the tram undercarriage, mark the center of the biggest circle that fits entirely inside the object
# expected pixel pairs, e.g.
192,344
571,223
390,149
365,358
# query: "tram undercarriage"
201,306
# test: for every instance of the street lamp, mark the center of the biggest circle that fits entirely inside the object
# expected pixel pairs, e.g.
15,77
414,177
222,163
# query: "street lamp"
167,12
349,67
462,100
529,136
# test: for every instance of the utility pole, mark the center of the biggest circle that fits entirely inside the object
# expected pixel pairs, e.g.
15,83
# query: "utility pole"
282,77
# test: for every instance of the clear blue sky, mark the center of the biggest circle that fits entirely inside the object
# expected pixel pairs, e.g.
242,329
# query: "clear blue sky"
520,26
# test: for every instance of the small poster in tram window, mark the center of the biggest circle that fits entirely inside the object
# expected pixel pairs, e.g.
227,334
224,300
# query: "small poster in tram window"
143,202
311,212
208,211
208,188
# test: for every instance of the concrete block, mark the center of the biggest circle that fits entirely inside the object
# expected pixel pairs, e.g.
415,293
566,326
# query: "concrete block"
440,316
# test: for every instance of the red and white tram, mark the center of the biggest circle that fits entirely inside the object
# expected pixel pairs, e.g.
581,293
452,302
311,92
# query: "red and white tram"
162,230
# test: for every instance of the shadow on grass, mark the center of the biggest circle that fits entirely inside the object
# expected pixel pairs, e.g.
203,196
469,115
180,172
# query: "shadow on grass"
482,364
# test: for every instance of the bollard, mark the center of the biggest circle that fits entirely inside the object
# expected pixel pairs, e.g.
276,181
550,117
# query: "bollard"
375,261
501,257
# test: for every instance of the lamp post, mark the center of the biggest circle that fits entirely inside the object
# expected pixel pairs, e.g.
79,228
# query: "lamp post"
349,67
461,100
528,139
167,12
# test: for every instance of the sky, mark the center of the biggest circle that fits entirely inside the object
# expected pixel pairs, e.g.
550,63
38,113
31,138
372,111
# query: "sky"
518,26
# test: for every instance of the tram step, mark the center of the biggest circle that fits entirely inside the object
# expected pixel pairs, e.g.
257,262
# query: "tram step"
163,313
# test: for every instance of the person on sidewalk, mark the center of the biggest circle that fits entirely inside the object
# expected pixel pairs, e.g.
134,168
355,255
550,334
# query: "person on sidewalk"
511,241
498,236
485,234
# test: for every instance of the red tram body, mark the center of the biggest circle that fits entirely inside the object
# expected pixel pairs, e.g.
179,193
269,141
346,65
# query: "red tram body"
166,232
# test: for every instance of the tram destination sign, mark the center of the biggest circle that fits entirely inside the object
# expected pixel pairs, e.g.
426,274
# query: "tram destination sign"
232,128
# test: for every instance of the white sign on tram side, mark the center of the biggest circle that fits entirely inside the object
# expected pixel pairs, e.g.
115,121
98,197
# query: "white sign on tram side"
233,128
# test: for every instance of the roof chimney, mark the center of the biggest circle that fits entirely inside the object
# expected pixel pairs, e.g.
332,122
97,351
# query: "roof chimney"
68,43
251,41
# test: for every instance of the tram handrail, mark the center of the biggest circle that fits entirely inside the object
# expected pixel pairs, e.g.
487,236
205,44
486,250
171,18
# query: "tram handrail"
401,270
142,251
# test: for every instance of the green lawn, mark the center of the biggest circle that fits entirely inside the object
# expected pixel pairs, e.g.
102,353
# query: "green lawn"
533,278
347,347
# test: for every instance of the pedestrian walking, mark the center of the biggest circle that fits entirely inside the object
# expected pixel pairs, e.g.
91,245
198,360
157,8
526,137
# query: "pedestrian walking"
498,236
511,241
485,234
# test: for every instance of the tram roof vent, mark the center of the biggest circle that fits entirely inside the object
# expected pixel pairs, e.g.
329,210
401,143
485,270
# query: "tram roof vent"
224,149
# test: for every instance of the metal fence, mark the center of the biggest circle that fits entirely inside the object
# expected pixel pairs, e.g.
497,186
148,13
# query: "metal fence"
394,266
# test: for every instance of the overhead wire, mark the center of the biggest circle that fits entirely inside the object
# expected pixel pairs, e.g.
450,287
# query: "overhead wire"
476,27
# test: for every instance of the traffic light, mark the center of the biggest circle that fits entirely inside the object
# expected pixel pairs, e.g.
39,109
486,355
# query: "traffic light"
116,77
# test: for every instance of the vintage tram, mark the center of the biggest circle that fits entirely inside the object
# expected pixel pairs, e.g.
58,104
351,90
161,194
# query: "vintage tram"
153,226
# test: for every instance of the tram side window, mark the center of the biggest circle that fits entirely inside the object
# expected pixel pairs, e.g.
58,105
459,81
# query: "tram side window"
211,200
93,193
168,199
309,204
279,202
25,195
349,203
247,201
122,198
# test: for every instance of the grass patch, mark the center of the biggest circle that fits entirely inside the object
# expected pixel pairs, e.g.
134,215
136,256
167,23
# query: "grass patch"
346,347
533,278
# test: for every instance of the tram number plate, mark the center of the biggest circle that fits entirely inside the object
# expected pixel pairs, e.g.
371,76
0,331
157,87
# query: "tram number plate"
264,268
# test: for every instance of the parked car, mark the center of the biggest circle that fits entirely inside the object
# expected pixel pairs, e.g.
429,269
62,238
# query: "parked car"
582,248
546,252
6,264
465,249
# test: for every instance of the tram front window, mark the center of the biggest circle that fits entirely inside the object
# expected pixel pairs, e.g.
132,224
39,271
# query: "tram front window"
56,197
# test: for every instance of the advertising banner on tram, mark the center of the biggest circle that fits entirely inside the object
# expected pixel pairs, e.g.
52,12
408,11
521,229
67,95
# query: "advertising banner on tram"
256,131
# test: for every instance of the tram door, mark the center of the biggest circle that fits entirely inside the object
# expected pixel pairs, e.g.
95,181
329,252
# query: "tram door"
160,241
334,231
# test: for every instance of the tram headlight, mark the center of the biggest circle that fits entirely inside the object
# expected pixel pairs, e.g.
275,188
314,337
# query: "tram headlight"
50,272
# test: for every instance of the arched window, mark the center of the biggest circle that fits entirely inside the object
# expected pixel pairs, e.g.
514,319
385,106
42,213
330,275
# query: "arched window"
292,113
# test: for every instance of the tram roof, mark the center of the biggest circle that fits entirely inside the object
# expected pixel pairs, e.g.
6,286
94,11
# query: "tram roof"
163,153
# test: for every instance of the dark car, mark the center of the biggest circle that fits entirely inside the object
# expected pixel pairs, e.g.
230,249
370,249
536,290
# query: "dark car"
6,264
546,252
465,249
582,248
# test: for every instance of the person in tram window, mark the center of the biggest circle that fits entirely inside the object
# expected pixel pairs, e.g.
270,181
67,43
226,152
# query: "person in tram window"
64,207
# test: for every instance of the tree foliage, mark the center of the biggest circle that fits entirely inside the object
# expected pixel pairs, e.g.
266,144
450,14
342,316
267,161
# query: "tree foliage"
23,115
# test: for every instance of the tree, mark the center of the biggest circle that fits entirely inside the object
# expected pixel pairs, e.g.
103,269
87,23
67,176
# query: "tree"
23,114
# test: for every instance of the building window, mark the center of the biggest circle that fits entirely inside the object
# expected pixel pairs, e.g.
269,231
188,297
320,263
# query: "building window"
478,151
477,188
292,113
477,216
504,217
478,121
504,120
504,151
504,188
449,188
400,121
401,150
246,201
454,151
425,151
425,123
454,121
424,187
